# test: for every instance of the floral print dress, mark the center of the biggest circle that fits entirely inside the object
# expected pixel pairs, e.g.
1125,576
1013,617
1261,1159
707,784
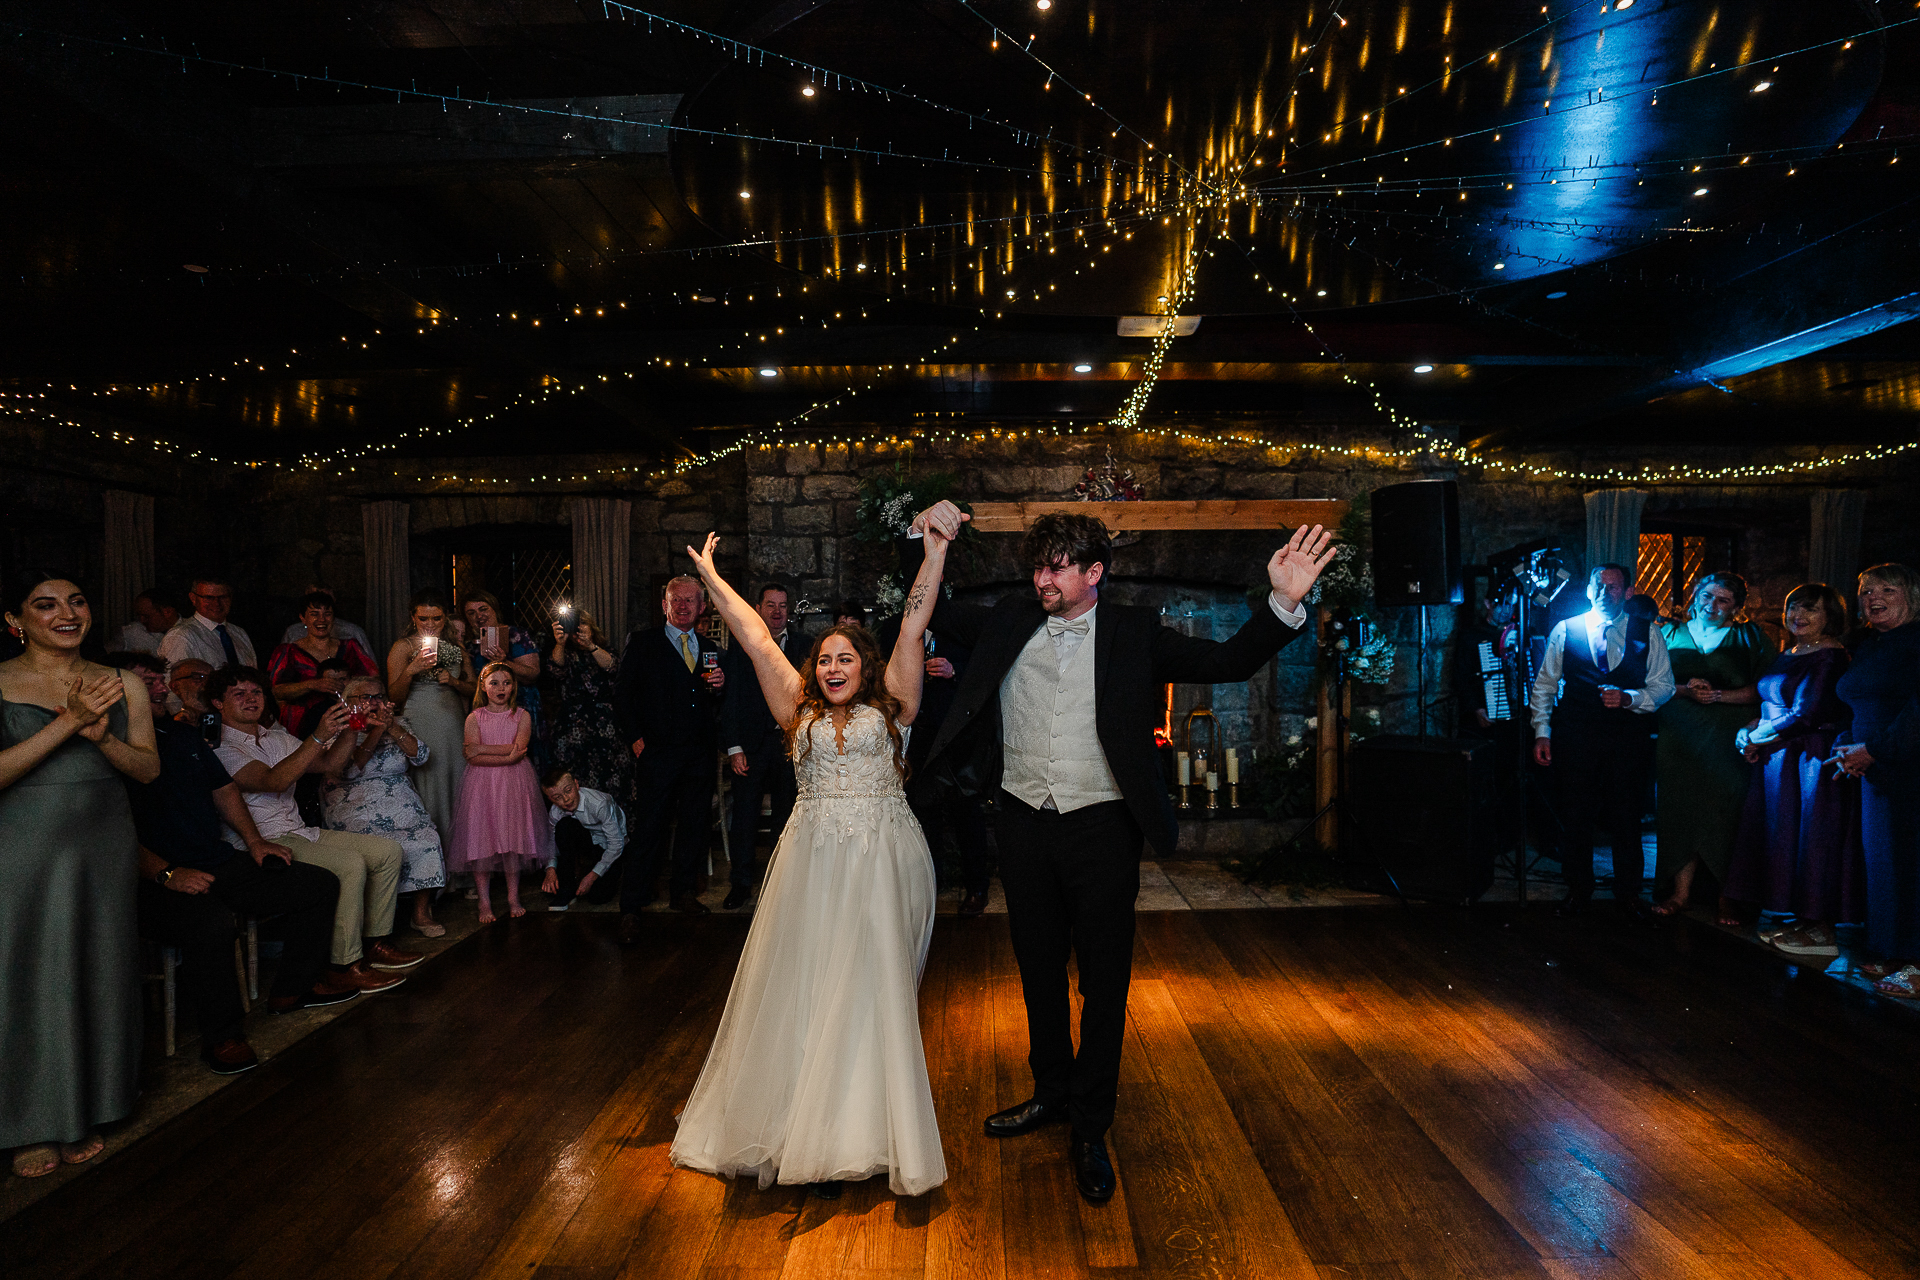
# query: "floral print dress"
379,800
584,737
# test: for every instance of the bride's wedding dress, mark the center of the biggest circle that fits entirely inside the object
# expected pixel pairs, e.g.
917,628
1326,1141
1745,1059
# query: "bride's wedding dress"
817,1073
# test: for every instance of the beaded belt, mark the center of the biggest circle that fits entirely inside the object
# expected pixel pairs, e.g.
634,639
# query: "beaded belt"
851,795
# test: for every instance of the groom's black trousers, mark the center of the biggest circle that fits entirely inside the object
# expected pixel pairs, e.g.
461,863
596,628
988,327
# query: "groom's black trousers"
1071,880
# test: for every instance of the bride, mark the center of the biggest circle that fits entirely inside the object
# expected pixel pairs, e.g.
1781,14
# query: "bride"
817,1074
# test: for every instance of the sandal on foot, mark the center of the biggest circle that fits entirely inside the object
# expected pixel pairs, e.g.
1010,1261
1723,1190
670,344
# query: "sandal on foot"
430,928
1814,940
1671,907
1875,968
1903,985
82,1151
36,1161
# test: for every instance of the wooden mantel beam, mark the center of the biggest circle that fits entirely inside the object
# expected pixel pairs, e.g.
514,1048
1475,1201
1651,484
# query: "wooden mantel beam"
1210,513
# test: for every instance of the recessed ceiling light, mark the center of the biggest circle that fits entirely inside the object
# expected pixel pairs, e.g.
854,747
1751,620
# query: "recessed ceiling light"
1623,4
1321,294
1423,368
807,91
746,195
1083,368
1700,191
1043,4
1558,293
769,373
1499,266
195,267
1763,86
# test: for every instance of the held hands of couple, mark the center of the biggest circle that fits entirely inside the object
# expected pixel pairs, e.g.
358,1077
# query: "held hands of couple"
941,520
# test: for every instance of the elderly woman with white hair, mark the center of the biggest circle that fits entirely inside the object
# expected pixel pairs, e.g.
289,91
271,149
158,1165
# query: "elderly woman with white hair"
1882,749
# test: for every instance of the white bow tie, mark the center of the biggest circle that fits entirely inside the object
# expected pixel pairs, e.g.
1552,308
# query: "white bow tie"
1060,626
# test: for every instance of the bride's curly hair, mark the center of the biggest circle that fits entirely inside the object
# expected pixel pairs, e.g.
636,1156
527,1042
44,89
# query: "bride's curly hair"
872,692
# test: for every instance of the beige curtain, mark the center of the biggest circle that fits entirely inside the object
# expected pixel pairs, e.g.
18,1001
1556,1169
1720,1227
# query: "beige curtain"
383,528
1833,550
1613,526
602,539
128,563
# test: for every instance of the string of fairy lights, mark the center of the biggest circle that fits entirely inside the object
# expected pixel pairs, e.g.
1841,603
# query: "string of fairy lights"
1191,201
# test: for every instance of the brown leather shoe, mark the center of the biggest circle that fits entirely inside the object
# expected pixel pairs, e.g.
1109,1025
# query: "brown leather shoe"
231,1057
330,988
688,905
382,954
974,904
367,978
629,929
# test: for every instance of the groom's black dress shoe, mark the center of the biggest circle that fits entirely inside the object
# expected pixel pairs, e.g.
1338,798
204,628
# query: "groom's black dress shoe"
825,1190
1024,1118
736,898
1092,1168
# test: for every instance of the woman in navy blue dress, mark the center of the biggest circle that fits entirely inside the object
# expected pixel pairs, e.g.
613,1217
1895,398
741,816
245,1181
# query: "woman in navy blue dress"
1883,750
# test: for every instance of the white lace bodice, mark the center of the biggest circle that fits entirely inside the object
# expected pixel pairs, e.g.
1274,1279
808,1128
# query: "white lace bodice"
865,770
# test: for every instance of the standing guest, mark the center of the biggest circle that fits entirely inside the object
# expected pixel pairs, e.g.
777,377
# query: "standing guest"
345,630
1882,748
266,762
1798,848
300,686
427,676
70,1004
589,835
1055,719
187,681
519,653
757,747
193,884
155,612
850,613
501,824
207,635
667,705
372,795
1717,659
581,670
1603,676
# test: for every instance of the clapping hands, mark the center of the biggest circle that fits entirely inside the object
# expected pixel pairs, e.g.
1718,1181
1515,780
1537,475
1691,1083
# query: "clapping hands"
88,702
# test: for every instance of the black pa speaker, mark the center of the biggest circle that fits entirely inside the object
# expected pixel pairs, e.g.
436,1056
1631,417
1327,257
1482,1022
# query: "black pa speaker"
1427,811
1416,543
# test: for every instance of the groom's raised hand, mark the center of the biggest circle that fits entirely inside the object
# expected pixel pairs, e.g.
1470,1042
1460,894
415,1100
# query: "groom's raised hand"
943,519
1296,567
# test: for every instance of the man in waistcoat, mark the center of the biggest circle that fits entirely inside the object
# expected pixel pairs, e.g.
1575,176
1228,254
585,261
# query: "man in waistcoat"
1053,721
1604,675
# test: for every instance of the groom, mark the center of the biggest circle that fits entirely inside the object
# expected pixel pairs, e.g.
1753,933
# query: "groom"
1054,721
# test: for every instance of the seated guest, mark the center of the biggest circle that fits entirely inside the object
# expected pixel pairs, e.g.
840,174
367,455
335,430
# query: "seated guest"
155,613
589,835
580,668
850,613
1882,749
341,627
266,763
1798,847
1595,732
187,681
309,673
207,635
193,883
757,747
373,796
1718,658
481,609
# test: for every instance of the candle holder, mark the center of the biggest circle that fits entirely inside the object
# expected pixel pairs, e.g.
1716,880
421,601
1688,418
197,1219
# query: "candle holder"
1233,795
1213,796
1202,767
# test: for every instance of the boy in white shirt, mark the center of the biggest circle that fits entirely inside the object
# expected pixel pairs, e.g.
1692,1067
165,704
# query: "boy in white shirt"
589,835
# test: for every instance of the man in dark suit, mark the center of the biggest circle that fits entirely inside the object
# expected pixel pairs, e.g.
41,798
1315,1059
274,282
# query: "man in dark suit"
757,746
1054,721
666,705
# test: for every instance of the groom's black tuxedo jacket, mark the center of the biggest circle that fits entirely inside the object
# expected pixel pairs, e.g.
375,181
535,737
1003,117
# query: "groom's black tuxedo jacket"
1134,655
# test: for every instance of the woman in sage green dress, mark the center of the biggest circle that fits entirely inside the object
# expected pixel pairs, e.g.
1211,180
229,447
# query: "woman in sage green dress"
70,1001
428,677
1701,775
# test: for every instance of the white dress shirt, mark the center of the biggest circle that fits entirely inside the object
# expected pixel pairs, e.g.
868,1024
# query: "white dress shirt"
195,637
604,820
1644,701
274,812
135,638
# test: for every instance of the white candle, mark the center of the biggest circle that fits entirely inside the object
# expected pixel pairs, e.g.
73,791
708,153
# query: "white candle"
1233,767
1213,781
1186,769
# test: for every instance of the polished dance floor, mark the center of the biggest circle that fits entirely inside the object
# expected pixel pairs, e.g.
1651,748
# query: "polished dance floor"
1370,1093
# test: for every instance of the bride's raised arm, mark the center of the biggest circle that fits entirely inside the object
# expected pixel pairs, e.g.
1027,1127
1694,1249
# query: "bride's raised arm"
907,668
779,682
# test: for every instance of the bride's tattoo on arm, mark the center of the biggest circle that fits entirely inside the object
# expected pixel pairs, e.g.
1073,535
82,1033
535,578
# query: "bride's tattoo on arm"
918,594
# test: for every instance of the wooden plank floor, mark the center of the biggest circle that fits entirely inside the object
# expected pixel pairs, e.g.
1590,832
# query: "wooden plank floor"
1365,1093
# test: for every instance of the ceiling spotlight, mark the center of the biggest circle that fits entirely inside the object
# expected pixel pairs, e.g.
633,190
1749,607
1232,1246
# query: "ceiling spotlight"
1423,368
1043,4
1557,293
745,194
1763,86
195,267
1499,266
806,91
1700,191
1083,368
1622,4
1321,294
769,373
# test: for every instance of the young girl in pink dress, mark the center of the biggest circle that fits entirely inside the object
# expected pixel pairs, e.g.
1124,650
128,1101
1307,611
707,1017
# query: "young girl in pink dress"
501,822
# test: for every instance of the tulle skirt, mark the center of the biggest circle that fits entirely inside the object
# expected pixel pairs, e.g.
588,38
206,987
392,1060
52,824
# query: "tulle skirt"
817,1072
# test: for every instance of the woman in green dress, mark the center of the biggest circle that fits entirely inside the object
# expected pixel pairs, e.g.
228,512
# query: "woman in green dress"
1718,660
70,1001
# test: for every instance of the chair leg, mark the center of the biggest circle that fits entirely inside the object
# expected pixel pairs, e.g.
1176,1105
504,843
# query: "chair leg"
253,957
240,977
169,963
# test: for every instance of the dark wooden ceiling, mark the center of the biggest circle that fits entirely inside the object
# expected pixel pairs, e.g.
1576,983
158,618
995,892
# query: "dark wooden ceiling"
487,228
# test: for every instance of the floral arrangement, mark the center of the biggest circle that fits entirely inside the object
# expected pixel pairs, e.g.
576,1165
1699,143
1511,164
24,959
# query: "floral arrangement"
1347,584
890,501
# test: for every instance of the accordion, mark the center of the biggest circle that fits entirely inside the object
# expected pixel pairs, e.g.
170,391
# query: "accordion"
1493,683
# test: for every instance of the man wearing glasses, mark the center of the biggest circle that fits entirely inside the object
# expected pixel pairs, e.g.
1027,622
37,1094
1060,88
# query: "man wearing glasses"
207,635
